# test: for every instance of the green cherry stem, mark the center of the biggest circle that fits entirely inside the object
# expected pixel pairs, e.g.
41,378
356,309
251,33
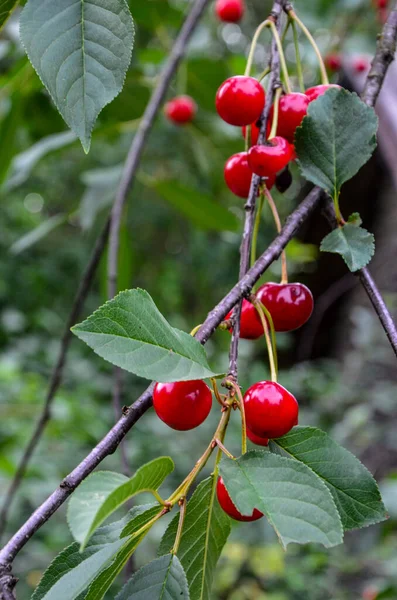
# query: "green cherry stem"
276,104
298,56
240,404
256,228
182,515
254,42
195,330
276,217
264,73
270,348
281,54
293,16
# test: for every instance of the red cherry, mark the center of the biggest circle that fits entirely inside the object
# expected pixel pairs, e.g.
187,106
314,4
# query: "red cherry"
360,65
238,174
293,152
268,160
180,110
229,11
240,100
257,439
292,109
250,323
333,62
381,4
270,410
227,505
182,405
290,304
318,90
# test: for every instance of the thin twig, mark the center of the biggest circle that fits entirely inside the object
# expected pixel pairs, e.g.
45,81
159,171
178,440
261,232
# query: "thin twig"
56,375
249,207
131,166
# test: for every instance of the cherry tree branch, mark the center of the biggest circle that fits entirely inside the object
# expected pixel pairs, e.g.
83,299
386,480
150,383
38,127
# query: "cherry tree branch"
253,193
130,169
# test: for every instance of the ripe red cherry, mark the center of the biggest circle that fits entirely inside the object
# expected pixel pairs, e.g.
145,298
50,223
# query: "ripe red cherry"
360,65
250,323
381,3
290,304
180,110
238,174
257,439
292,109
333,62
228,506
318,90
268,160
240,100
229,11
270,410
182,405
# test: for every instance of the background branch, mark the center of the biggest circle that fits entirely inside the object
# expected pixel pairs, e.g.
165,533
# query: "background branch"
130,168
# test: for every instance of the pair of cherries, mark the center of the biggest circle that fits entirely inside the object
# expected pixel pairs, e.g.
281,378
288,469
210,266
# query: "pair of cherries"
240,101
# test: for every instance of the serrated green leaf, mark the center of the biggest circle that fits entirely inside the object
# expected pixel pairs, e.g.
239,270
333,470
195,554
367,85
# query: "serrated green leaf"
336,138
6,8
295,500
130,332
355,244
72,562
164,577
352,486
205,212
205,532
81,51
355,219
104,492
139,520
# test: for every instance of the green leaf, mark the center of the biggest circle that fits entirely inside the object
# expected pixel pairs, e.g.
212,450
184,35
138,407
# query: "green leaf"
336,138
201,209
139,520
164,577
352,486
6,8
37,234
205,532
355,244
104,492
130,332
71,567
296,502
81,50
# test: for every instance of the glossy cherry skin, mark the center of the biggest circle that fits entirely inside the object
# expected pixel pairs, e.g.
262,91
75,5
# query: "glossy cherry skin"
250,323
268,160
182,405
240,100
238,174
292,108
229,11
290,304
360,65
270,410
180,110
257,439
318,90
228,506
333,62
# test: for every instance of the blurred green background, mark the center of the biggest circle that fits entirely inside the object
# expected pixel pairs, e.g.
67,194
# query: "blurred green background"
180,241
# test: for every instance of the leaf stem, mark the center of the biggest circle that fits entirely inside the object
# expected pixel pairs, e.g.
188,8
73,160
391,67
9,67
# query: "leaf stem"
293,16
224,449
298,56
182,515
271,349
276,217
339,217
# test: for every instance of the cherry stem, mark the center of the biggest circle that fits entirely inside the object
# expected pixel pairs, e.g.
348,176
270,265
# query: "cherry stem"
219,434
298,56
276,217
272,352
269,320
235,387
284,69
264,73
254,42
195,330
256,228
182,78
248,131
277,95
182,514
216,392
293,16
224,449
